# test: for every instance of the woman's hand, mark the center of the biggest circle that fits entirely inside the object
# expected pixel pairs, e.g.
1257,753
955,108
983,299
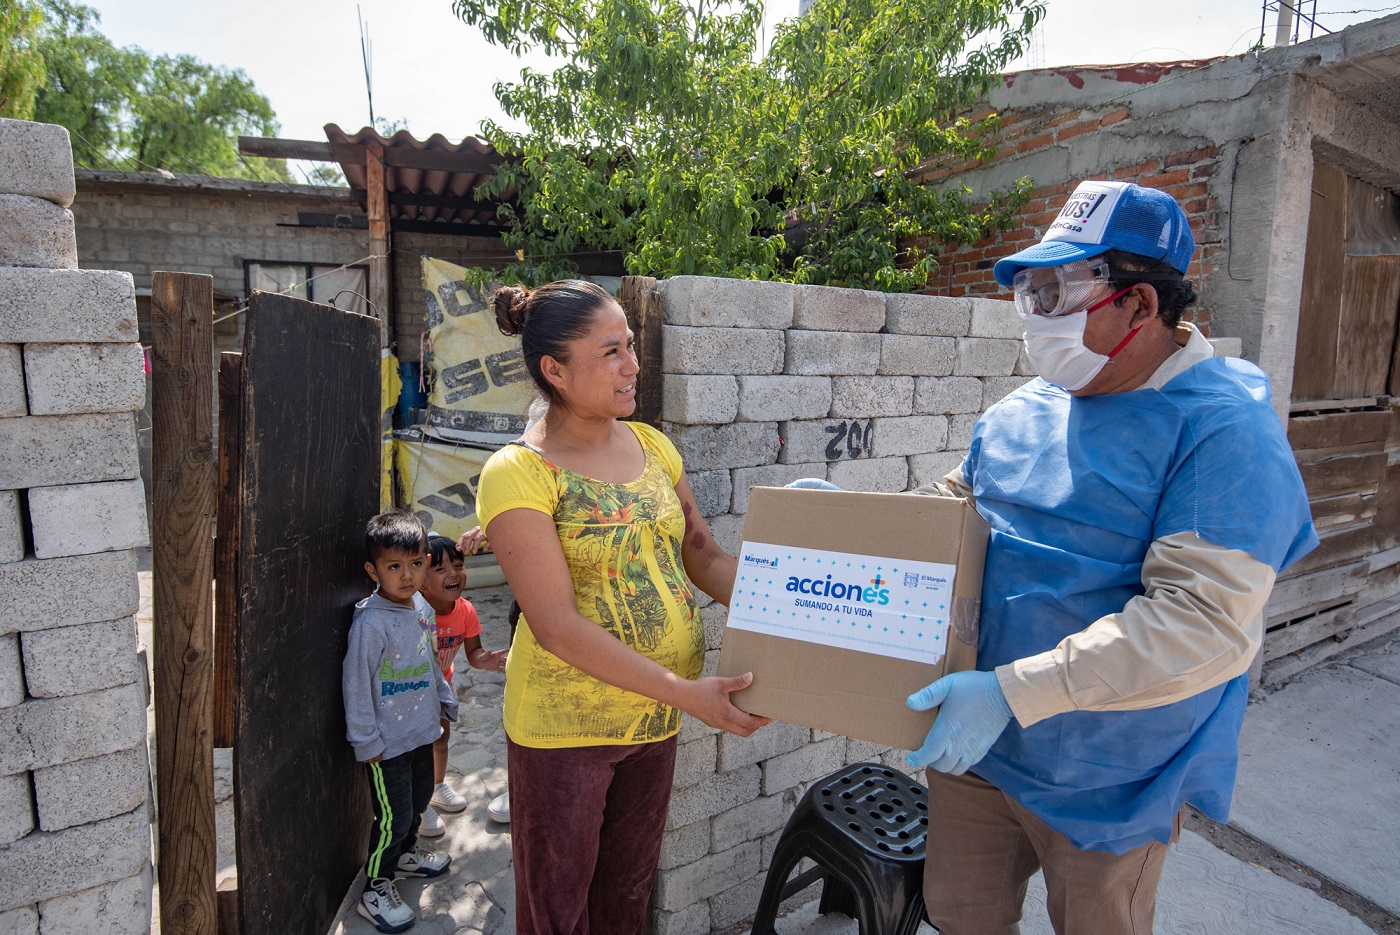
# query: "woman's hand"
473,541
711,704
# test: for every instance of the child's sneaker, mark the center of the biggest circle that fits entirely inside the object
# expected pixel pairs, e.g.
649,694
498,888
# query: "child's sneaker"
431,826
381,904
421,863
499,809
447,799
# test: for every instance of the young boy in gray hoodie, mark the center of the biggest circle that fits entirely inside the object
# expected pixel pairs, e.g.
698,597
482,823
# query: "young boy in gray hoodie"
395,695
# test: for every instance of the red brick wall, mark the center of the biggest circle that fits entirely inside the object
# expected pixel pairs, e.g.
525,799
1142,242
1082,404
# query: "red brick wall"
1185,175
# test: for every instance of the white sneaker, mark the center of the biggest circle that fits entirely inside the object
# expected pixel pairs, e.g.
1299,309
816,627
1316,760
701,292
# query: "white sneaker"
499,809
446,799
421,863
431,826
380,903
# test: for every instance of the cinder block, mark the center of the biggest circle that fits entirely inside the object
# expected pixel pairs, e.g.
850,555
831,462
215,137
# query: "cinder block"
44,865
25,921
12,395
863,751
1024,367
70,378
771,475
713,617
823,308
946,395
1227,347
996,318
728,530
927,314
89,790
985,357
736,752
995,388
931,468
66,305
11,527
803,766
711,874
11,671
960,430
53,670
16,809
692,920
737,904
709,799
108,590
721,350
37,233
726,303
879,475
712,490
48,731
699,399
78,519
710,447
681,846
831,353
917,355
39,451
864,397
783,397
750,821
121,908
695,762
910,435
808,442
692,728
36,159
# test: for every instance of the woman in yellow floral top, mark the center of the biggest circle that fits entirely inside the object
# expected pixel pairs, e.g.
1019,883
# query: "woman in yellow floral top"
595,526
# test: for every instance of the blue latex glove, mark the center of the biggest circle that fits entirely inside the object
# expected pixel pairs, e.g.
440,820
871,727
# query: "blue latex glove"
974,713
814,483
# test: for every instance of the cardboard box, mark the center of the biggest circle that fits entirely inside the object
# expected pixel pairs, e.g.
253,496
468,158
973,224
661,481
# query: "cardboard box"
846,603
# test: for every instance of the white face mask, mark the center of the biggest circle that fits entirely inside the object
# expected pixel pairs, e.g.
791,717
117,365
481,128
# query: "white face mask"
1056,349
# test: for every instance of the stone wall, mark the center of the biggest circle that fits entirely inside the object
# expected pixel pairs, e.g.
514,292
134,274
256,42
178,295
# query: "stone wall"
75,835
765,383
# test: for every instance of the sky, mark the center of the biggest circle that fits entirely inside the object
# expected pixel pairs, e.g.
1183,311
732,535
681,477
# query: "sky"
432,70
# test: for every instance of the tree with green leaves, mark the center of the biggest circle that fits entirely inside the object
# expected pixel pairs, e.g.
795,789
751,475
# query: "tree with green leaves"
21,65
669,134
128,109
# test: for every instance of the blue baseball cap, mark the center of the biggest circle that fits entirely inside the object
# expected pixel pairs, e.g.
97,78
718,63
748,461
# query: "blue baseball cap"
1102,216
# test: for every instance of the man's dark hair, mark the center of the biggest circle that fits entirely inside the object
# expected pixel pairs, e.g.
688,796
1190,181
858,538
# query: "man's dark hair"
1174,290
395,531
442,549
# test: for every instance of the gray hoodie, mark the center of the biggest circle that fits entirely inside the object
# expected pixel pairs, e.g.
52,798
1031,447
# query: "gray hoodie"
394,691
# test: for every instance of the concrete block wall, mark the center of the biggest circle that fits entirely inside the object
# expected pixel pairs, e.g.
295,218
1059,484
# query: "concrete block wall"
75,822
765,383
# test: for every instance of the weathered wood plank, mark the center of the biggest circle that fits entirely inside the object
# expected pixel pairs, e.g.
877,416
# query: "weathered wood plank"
1303,594
1332,477
1338,429
1296,636
642,305
1347,510
226,543
1338,548
182,557
1315,366
1366,331
310,480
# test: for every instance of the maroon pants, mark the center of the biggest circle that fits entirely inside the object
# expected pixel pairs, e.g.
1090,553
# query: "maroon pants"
586,826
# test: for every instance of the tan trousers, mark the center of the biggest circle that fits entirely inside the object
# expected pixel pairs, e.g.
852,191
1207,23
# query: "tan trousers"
983,849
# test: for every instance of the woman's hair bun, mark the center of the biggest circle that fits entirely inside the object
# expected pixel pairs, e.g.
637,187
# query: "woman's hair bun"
510,304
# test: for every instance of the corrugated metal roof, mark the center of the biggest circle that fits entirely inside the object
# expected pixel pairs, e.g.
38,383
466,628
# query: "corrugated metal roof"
431,183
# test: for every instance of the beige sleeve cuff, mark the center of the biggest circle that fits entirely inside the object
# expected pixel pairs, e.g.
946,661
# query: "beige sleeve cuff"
1199,624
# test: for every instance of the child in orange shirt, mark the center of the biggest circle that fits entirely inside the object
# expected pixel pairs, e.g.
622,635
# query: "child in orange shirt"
457,626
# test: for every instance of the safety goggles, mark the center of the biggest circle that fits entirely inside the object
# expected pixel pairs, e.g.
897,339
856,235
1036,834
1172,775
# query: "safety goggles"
1050,291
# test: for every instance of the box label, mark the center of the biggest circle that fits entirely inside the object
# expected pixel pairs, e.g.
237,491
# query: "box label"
889,607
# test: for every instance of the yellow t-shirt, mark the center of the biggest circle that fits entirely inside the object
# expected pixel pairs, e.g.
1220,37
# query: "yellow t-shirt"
622,543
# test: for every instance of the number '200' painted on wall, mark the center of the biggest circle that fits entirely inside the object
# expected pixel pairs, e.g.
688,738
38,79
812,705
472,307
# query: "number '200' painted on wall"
850,439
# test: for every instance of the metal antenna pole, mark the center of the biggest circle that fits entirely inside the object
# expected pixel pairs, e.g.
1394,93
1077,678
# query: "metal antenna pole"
366,54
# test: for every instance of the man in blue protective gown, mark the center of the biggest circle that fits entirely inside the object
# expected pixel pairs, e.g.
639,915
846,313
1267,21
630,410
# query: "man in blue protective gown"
1142,498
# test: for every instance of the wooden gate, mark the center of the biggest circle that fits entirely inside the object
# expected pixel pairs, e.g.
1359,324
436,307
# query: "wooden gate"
1344,427
307,480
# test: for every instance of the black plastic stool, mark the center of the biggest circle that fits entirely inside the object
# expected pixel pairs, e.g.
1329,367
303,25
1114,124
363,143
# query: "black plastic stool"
864,827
